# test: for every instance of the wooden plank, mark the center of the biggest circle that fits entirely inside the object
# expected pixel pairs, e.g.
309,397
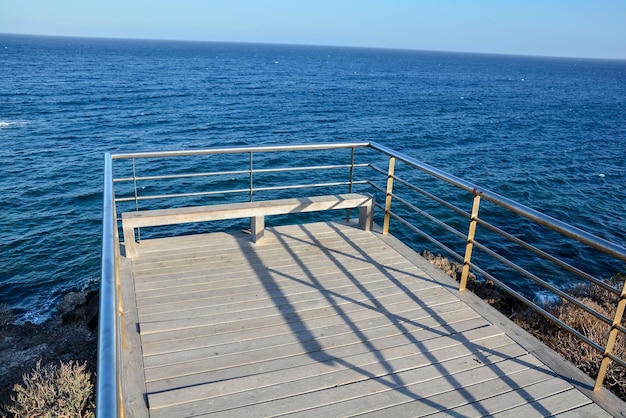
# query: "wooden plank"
285,359
244,209
233,353
184,244
547,400
191,246
195,304
400,312
133,374
242,287
257,260
242,247
284,278
587,411
298,333
288,311
415,392
215,265
320,375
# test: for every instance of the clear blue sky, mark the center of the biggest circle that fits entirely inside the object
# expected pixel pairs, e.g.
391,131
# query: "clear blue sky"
574,28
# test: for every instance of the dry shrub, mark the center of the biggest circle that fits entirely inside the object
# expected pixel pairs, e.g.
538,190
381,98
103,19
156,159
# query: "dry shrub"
571,348
574,350
54,391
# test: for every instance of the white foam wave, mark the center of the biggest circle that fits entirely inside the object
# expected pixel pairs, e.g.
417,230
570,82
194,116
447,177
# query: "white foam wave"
4,124
545,298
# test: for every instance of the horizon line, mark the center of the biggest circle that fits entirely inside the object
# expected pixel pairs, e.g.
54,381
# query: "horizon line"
124,38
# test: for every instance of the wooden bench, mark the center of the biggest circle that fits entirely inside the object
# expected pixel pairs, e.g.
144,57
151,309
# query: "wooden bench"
256,211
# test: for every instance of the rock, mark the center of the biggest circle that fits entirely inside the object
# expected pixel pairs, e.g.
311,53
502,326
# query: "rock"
70,301
92,309
77,307
68,336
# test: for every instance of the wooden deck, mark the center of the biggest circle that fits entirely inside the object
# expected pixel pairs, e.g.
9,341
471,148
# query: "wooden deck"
324,320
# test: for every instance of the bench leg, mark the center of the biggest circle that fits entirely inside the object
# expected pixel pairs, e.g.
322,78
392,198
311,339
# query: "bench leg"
257,227
129,241
366,216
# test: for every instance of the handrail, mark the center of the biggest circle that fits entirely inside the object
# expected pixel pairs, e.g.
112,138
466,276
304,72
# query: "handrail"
108,401
238,150
108,377
559,226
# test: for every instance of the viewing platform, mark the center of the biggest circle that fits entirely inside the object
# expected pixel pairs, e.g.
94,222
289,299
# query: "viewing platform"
324,319
321,318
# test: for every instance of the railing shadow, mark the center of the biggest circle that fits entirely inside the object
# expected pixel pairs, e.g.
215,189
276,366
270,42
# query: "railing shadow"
390,378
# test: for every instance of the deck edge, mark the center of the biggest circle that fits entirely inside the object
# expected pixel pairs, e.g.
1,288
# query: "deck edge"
577,378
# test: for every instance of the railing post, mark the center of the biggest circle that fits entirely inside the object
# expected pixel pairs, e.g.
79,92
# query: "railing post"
610,344
351,179
470,242
251,176
390,171
136,198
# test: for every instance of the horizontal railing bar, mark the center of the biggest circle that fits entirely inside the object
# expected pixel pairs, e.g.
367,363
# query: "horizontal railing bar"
256,189
425,235
377,187
537,308
304,186
616,359
174,196
180,176
433,197
578,234
380,170
548,257
236,172
430,217
541,282
316,167
238,150
423,192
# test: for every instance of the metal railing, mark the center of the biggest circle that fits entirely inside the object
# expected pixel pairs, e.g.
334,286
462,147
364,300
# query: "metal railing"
401,189
108,387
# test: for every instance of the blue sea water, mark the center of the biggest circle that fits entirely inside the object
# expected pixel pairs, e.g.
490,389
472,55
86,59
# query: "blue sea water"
549,133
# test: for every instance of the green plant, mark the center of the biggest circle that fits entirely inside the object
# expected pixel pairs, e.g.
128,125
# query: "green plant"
63,390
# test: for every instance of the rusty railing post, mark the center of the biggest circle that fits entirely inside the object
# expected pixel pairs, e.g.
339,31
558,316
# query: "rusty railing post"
610,344
470,241
392,164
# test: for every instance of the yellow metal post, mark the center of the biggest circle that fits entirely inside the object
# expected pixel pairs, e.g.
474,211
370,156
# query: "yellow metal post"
392,164
470,242
610,344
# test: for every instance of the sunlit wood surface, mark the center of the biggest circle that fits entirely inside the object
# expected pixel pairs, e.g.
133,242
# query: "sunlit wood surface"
320,320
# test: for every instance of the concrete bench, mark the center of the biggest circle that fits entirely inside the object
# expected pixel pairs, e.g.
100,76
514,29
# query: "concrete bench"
256,211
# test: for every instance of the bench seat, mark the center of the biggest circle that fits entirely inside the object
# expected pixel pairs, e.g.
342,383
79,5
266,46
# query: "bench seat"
256,211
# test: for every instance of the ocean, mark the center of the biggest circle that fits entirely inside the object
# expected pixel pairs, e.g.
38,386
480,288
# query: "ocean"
547,132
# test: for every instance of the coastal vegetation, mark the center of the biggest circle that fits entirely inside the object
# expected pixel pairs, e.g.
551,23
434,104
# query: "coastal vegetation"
48,369
569,347
54,390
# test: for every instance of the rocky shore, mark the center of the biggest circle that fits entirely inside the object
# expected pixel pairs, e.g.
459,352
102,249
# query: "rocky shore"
70,335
